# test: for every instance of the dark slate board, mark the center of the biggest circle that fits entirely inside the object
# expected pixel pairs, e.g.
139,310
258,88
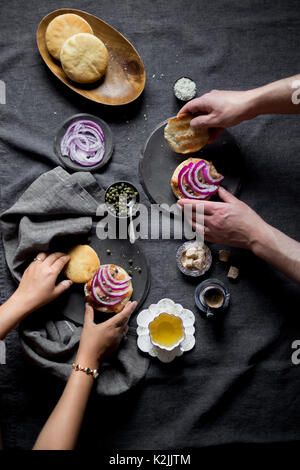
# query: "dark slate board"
158,163
72,304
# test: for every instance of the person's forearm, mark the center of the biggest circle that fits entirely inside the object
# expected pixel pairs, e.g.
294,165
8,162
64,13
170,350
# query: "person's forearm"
62,428
280,97
281,251
12,312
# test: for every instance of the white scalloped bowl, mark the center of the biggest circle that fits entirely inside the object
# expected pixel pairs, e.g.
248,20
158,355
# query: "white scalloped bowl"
146,316
162,346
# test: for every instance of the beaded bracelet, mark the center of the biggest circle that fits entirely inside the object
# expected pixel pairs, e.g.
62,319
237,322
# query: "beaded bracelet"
87,370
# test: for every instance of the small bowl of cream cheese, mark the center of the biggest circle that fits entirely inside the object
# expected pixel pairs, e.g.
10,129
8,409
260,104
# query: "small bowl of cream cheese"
185,89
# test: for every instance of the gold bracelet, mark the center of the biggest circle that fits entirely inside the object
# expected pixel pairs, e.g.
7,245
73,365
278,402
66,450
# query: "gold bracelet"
87,370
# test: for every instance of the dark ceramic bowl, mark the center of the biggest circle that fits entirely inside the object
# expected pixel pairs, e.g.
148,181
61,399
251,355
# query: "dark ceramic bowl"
135,207
66,161
179,99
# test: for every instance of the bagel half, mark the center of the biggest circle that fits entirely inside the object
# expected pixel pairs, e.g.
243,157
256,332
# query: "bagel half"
83,263
182,138
84,58
61,28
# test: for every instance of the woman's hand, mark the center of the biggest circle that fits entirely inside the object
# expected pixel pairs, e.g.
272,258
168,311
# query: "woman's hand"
37,288
38,284
99,341
219,109
231,222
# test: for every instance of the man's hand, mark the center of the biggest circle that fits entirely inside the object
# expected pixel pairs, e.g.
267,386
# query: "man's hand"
99,341
218,110
231,222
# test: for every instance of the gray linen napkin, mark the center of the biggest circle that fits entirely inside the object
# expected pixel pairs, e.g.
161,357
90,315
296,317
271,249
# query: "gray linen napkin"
57,205
53,346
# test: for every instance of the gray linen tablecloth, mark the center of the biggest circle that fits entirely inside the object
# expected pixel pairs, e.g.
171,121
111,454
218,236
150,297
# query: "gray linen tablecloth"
238,384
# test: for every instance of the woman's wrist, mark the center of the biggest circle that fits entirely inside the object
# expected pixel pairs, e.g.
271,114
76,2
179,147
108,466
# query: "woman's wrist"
23,304
87,360
19,306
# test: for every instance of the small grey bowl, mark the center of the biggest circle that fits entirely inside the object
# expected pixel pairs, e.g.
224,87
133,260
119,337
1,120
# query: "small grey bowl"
193,272
179,99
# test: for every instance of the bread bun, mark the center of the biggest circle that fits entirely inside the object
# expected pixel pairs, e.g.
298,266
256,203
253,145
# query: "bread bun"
84,58
182,138
61,28
113,308
83,263
174,179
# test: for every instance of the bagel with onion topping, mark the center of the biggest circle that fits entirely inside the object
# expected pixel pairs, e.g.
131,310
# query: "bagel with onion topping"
208,178
109,290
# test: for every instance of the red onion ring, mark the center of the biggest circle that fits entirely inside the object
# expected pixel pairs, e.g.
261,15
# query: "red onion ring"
111,285
102,284
181,175
97,298
201,188
117,281
207,176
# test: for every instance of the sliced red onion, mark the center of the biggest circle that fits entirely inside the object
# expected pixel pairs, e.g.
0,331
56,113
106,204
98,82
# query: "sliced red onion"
201,188
202,191
182,189
117,281
84,143
194,184
194,176
110,284
207,176
86,122
97,299
101,280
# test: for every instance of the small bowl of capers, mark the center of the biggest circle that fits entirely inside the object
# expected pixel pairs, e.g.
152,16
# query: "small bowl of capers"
122,198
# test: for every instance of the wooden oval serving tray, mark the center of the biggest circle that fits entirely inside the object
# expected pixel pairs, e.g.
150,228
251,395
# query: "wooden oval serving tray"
125,77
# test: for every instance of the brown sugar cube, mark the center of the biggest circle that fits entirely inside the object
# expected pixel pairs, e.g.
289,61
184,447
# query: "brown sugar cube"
233,273
224,255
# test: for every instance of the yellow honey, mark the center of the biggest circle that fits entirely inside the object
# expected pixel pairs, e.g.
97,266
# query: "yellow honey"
166,330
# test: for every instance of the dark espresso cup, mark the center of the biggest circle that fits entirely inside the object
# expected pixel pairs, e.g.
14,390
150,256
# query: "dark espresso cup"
213,298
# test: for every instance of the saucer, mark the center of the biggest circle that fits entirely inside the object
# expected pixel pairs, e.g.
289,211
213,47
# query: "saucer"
147,316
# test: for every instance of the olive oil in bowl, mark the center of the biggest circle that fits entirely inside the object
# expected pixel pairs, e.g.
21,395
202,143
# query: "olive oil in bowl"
166,331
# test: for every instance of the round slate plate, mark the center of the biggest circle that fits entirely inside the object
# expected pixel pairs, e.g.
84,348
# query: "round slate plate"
158,163
109,143
72,303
